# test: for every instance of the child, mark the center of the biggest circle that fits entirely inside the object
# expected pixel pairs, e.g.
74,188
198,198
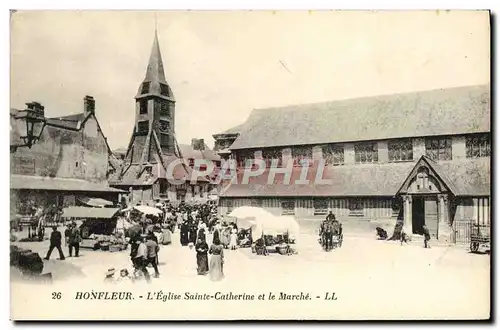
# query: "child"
110,276
124,276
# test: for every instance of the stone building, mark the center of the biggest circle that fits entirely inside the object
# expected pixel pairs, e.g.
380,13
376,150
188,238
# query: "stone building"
70,161
153,145
422,157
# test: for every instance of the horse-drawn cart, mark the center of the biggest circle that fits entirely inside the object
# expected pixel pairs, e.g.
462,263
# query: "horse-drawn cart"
480,237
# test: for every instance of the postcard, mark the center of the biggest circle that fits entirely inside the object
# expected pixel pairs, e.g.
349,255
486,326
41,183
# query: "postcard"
250,165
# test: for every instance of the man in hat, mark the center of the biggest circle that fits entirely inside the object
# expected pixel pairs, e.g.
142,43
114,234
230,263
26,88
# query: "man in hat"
141,258
55,242
152,253
74,240
110,276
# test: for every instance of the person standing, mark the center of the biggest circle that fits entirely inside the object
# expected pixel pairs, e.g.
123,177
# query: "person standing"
55,242
152,254
330,216
166,237
202,232
216,261
193,231
74,240
67,234
427,237
233,244
141,259
202,256
184,236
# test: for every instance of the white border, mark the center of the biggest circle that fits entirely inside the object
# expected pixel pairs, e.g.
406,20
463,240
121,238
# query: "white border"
176,5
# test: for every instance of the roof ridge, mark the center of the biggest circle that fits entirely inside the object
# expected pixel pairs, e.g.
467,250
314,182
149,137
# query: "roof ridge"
365,97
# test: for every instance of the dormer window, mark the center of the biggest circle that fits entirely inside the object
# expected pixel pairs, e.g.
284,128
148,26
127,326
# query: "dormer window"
145,88
164,90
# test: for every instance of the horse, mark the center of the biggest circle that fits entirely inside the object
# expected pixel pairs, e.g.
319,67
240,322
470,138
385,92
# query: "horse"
327,233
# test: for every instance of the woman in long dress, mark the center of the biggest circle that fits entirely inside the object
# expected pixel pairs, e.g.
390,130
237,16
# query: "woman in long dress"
226,237
234,239
202,256
184,234
166,237
216,261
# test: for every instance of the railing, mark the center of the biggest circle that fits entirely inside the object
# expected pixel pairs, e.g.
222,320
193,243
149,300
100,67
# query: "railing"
461,231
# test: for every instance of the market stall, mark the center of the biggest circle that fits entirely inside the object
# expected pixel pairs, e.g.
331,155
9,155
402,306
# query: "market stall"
276,231
99,227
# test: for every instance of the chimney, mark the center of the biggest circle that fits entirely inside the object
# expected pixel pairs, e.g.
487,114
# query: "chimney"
88,105
198,144
201,144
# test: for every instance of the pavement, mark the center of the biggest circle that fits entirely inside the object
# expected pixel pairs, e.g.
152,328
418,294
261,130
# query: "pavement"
370,275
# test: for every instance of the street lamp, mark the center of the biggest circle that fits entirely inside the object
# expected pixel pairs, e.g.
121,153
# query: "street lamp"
29,124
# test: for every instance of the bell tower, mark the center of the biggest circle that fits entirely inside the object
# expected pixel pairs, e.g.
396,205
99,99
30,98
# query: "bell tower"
154,111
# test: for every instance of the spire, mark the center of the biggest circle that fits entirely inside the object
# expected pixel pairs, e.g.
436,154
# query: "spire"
154,82
155,71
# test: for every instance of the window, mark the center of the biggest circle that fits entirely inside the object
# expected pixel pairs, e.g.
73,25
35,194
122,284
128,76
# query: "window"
164,90
320,206
143,126
356,208
145,88
143,106
333,154
400,150
301,156
438,148
164,108
245,158
478,146
268,155
288,208
366,153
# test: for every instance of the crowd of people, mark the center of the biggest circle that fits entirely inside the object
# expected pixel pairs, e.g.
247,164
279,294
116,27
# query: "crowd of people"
195,223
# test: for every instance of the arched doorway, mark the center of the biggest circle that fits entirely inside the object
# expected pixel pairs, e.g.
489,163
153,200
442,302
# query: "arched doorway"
425,194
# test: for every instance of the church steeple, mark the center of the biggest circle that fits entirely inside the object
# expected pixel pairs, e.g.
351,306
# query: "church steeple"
154,82
155,111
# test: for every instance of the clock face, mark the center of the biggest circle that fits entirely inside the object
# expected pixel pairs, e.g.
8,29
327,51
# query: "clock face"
163,126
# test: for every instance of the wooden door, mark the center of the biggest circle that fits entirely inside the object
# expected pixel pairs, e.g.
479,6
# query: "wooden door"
431,215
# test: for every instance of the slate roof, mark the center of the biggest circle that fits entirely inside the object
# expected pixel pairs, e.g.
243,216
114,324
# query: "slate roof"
232,130
468,177
49,183
134,176
89,212
70,121
188,152
437,112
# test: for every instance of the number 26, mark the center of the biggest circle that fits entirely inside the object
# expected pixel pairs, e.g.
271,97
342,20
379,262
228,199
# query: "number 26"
56,295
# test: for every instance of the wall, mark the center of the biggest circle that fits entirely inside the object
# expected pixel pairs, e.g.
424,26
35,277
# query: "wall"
475,209
94,152
377,212
458,150
65,153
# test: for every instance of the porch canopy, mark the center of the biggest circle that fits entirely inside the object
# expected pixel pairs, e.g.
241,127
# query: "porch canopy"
89,212
29,182
94,202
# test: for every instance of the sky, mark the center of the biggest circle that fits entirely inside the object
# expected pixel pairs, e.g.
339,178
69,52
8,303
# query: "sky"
222,65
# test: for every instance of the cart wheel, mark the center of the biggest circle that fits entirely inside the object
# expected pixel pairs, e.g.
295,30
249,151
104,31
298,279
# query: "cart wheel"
474,246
